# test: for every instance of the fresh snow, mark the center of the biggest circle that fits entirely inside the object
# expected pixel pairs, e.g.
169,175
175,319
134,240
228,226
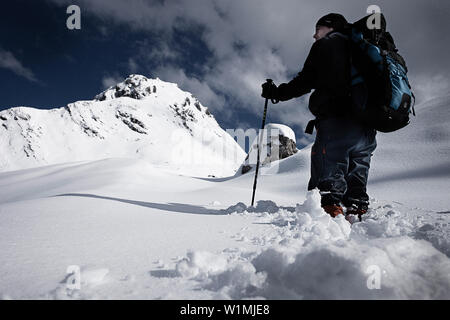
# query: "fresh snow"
282,130
137,230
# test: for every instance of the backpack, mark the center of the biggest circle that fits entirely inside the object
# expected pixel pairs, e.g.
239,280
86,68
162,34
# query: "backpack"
380,90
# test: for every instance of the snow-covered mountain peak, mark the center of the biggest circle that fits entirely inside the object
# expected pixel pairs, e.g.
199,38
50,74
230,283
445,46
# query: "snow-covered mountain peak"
142,118
139,87
134,86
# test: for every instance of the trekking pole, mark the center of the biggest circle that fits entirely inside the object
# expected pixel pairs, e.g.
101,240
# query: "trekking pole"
258,146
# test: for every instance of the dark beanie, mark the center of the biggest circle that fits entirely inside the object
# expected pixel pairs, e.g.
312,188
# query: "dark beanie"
332,20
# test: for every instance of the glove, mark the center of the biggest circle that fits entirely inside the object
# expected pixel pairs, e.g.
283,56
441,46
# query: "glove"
269,90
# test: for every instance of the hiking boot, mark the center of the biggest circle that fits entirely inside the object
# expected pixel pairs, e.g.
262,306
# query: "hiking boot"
333,210
355,211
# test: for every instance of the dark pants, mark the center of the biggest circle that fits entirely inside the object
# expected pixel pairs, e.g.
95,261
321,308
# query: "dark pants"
340,161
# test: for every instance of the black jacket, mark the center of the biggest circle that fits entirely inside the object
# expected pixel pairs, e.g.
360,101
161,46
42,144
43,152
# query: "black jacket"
327,70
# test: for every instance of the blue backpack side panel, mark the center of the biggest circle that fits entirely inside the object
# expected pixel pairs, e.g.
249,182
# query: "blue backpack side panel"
399,83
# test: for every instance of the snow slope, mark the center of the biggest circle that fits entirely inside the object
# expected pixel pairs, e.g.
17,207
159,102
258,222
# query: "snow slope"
138,118
138,232
414,163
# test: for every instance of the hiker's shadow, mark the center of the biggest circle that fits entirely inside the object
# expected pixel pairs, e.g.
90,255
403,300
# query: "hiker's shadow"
173,206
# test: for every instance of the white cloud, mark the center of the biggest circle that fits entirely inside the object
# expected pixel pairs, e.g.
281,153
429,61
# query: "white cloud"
132,65
160,52
200,89
8,61
109,81
259,26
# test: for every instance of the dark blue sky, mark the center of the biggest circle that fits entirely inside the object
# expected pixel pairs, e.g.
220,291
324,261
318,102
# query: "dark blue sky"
69,65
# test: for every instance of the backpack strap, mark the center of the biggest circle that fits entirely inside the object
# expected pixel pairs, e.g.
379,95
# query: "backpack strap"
310,126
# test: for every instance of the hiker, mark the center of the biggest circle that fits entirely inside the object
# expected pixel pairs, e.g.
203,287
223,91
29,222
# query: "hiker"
341,153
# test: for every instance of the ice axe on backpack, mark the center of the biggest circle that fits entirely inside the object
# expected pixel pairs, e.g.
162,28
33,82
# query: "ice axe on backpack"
269,84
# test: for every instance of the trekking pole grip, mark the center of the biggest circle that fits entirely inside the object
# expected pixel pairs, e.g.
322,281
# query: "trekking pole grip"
270,81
